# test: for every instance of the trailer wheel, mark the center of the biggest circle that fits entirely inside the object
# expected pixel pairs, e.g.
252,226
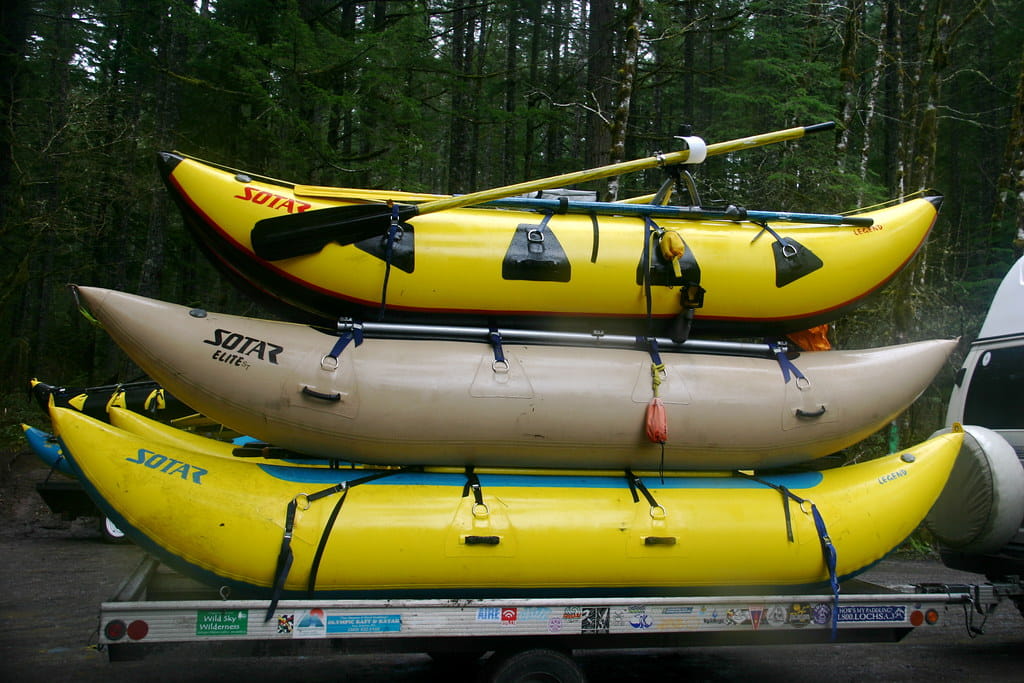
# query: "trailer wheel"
532,666
111,532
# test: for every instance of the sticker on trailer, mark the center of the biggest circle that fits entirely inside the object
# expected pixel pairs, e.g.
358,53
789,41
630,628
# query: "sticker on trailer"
712,615
488,614
799,614
775,615
595,620
364,623
890,614
311,623
219,622
534,614
641,621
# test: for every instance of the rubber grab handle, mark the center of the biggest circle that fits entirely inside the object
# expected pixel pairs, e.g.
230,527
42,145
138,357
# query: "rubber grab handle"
483,540
313,393
817,413
660,540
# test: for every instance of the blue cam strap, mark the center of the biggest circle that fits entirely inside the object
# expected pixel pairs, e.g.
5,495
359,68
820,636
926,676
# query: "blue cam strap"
788,369
355,334
495,337
828,550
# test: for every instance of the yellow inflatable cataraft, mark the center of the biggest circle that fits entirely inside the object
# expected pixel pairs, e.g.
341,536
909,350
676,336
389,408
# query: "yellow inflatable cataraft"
497,532
421,401
526,268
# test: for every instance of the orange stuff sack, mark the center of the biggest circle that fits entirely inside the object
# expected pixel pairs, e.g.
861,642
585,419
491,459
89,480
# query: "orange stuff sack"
657,421
814,339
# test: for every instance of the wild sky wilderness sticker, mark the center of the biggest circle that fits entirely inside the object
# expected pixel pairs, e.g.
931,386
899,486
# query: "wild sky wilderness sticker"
219,622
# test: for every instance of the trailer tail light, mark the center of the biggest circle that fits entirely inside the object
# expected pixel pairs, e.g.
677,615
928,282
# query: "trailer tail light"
115,630
138,629
917,617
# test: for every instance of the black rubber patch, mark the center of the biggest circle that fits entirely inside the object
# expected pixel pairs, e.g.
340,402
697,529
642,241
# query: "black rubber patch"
662,272
793,261
403,254
535,254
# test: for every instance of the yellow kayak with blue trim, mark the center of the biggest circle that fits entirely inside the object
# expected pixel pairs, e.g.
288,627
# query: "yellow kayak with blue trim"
524,268
481,533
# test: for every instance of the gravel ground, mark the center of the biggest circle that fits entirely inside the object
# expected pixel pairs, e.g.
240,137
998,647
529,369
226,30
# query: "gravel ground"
59,572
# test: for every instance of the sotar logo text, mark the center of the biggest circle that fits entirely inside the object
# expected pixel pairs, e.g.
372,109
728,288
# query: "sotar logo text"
273,201
243,348
169,466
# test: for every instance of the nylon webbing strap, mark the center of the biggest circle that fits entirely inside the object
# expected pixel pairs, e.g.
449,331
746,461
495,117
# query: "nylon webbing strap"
286,558
597,238
499,353
789,370
648,261
472,485
315,567
828,550
155,401
394,232
355,334
637,484
657,365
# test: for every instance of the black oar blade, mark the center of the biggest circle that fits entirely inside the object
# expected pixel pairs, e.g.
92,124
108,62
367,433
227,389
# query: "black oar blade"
298,234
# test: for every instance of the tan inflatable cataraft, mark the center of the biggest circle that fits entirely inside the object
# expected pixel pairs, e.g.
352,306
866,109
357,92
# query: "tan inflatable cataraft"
420,401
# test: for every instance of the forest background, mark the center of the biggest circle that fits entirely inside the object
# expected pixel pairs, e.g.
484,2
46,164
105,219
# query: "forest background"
462,95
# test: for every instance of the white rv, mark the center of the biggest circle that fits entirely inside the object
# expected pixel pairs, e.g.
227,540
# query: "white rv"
978,519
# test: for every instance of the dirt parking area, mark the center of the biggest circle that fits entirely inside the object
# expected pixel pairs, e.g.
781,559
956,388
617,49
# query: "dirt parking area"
58,573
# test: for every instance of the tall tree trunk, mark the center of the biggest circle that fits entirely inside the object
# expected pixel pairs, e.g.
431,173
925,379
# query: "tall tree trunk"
872,105
13,34
174,51
508,155
554,133
1011,181
849,77
460,129
690,36
627,72
895,106
600,64
533,71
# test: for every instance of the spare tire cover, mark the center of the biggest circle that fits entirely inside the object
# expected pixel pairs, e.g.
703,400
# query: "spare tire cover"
982,505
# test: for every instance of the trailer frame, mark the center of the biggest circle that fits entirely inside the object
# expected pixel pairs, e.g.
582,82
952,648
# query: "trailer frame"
155,606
